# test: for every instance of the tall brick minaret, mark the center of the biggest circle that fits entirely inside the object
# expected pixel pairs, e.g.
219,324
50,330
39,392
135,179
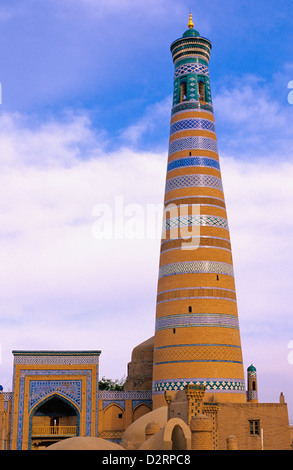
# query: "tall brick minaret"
197,338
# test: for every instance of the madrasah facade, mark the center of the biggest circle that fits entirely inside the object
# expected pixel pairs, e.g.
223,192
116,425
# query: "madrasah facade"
186,387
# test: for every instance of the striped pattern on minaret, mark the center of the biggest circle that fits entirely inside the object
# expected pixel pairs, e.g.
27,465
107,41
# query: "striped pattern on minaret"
197,337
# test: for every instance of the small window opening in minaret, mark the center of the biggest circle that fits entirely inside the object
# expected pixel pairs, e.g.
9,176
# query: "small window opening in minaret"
190,309
253,385
217,277
190,154
183,91
174,330
201,90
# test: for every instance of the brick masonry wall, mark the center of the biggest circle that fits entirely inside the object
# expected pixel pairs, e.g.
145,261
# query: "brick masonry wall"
233,419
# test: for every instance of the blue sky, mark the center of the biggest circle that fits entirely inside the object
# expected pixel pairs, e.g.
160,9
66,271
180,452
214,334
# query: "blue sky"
84,120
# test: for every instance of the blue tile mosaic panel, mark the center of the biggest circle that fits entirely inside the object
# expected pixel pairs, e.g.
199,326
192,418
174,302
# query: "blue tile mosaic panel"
189,181
192,124
197,68
193,161
42,388
193,142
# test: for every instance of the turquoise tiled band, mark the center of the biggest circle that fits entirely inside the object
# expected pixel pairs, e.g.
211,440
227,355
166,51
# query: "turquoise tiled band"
211,384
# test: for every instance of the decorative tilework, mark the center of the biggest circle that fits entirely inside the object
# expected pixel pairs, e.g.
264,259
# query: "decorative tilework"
195,220
191,320
198,353
190,60
7,396
251,373
120,403
55,359
68,388
214,385
193,267
191,124
191,68
194,105
251,395
136,403
193,142
194,161
40,385
189,48
196,180
124,395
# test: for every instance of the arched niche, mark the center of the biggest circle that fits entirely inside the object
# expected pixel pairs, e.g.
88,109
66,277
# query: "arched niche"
52,419
113,417
141,410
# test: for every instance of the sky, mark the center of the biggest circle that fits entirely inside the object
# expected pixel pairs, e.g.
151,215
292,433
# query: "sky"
86,93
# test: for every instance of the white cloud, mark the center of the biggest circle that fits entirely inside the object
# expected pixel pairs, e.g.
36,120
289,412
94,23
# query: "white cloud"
259,197
153,117
64,289
55,276
253,119
259,202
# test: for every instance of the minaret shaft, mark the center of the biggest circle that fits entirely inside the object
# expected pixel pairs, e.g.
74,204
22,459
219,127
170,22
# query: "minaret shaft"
197,338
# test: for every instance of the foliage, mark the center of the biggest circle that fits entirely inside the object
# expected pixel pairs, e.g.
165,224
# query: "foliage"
109,384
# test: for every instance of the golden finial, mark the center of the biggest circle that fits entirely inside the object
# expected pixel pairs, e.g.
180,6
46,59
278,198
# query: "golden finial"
190,23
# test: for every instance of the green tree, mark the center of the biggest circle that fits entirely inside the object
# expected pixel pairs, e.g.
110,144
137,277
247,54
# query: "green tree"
109,384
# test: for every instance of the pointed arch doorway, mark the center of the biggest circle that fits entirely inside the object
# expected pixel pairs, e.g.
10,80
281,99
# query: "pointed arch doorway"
53,419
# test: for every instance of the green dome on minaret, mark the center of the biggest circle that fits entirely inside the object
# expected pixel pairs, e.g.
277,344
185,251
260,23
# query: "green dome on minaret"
251,369
190,32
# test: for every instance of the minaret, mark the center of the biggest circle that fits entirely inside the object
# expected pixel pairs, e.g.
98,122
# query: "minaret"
252,395
197,338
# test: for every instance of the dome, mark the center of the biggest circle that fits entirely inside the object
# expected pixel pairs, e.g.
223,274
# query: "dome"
134,435
143,351
251,368
140,369
190,33
1,388
84,443
152,428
